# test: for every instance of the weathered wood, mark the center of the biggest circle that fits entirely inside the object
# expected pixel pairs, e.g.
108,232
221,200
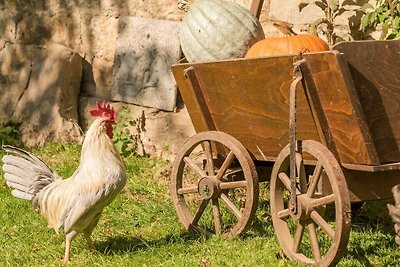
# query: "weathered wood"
394,212
256,7
249,99
396,194
204,115
317,110
364,186
375,68
373,168
335,106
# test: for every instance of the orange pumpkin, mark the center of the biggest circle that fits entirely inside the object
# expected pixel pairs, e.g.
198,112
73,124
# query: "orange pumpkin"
289,45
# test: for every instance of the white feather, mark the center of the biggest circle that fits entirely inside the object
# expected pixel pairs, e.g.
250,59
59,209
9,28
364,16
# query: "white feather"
20,194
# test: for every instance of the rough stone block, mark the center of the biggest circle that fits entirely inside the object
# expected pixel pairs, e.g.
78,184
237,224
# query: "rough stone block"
47,97
98,35
291,12
145,50
15,71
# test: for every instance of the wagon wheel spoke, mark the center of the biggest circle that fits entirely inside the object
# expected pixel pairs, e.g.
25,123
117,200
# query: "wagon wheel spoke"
300,231
283,213
314,241
214,168
325,226
209,157
232,185
325,200
298,236
231,206
286,181
225,165
217,216
188,190
194,167
200,211
315,179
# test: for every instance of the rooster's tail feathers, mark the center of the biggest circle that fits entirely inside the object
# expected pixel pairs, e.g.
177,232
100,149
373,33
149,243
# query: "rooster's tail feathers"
26,173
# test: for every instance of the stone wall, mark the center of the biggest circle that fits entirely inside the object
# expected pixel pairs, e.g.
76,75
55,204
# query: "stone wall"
90,29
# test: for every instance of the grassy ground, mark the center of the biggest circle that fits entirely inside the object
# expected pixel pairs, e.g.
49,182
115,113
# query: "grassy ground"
140,228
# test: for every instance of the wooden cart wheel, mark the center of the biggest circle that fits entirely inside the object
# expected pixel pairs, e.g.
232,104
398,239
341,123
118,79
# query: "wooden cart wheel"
318,232
214,194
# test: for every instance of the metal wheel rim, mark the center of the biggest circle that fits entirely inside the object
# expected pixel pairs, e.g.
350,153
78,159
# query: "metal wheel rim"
250,174
341,202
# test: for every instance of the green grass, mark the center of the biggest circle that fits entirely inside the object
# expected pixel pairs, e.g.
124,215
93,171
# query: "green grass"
140,228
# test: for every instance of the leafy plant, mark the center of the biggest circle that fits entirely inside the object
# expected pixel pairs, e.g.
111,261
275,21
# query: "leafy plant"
9,131
385,17
126,142
332,9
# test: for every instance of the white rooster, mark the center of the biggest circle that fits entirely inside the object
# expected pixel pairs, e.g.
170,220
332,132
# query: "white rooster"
75,203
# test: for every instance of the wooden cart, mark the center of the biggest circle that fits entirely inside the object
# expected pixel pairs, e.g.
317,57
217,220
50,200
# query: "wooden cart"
322,128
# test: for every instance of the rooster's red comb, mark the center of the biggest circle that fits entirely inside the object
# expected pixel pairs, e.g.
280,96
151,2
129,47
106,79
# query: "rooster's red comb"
105,110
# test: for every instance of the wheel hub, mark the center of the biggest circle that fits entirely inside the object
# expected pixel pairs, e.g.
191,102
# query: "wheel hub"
303,208
208,188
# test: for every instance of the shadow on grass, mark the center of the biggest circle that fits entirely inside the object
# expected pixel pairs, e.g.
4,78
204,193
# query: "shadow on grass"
129,244
372,233
371,236
373,215
126,244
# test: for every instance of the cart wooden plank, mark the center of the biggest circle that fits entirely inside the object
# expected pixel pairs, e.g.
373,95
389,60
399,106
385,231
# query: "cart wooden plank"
249,99
256,7
339,116
364,186
375,69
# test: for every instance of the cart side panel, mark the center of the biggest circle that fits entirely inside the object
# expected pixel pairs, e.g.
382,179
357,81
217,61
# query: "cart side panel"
337,109
375,69
364,186
249,99
189,89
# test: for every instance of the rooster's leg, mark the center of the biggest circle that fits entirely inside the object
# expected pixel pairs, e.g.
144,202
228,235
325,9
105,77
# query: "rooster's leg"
89,240
68,240
88,232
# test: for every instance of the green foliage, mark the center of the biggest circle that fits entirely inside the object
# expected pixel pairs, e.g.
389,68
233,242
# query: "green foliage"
126,142
384,17
9,131
331,9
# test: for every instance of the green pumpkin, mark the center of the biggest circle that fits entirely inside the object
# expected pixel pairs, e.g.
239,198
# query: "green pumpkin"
216,29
